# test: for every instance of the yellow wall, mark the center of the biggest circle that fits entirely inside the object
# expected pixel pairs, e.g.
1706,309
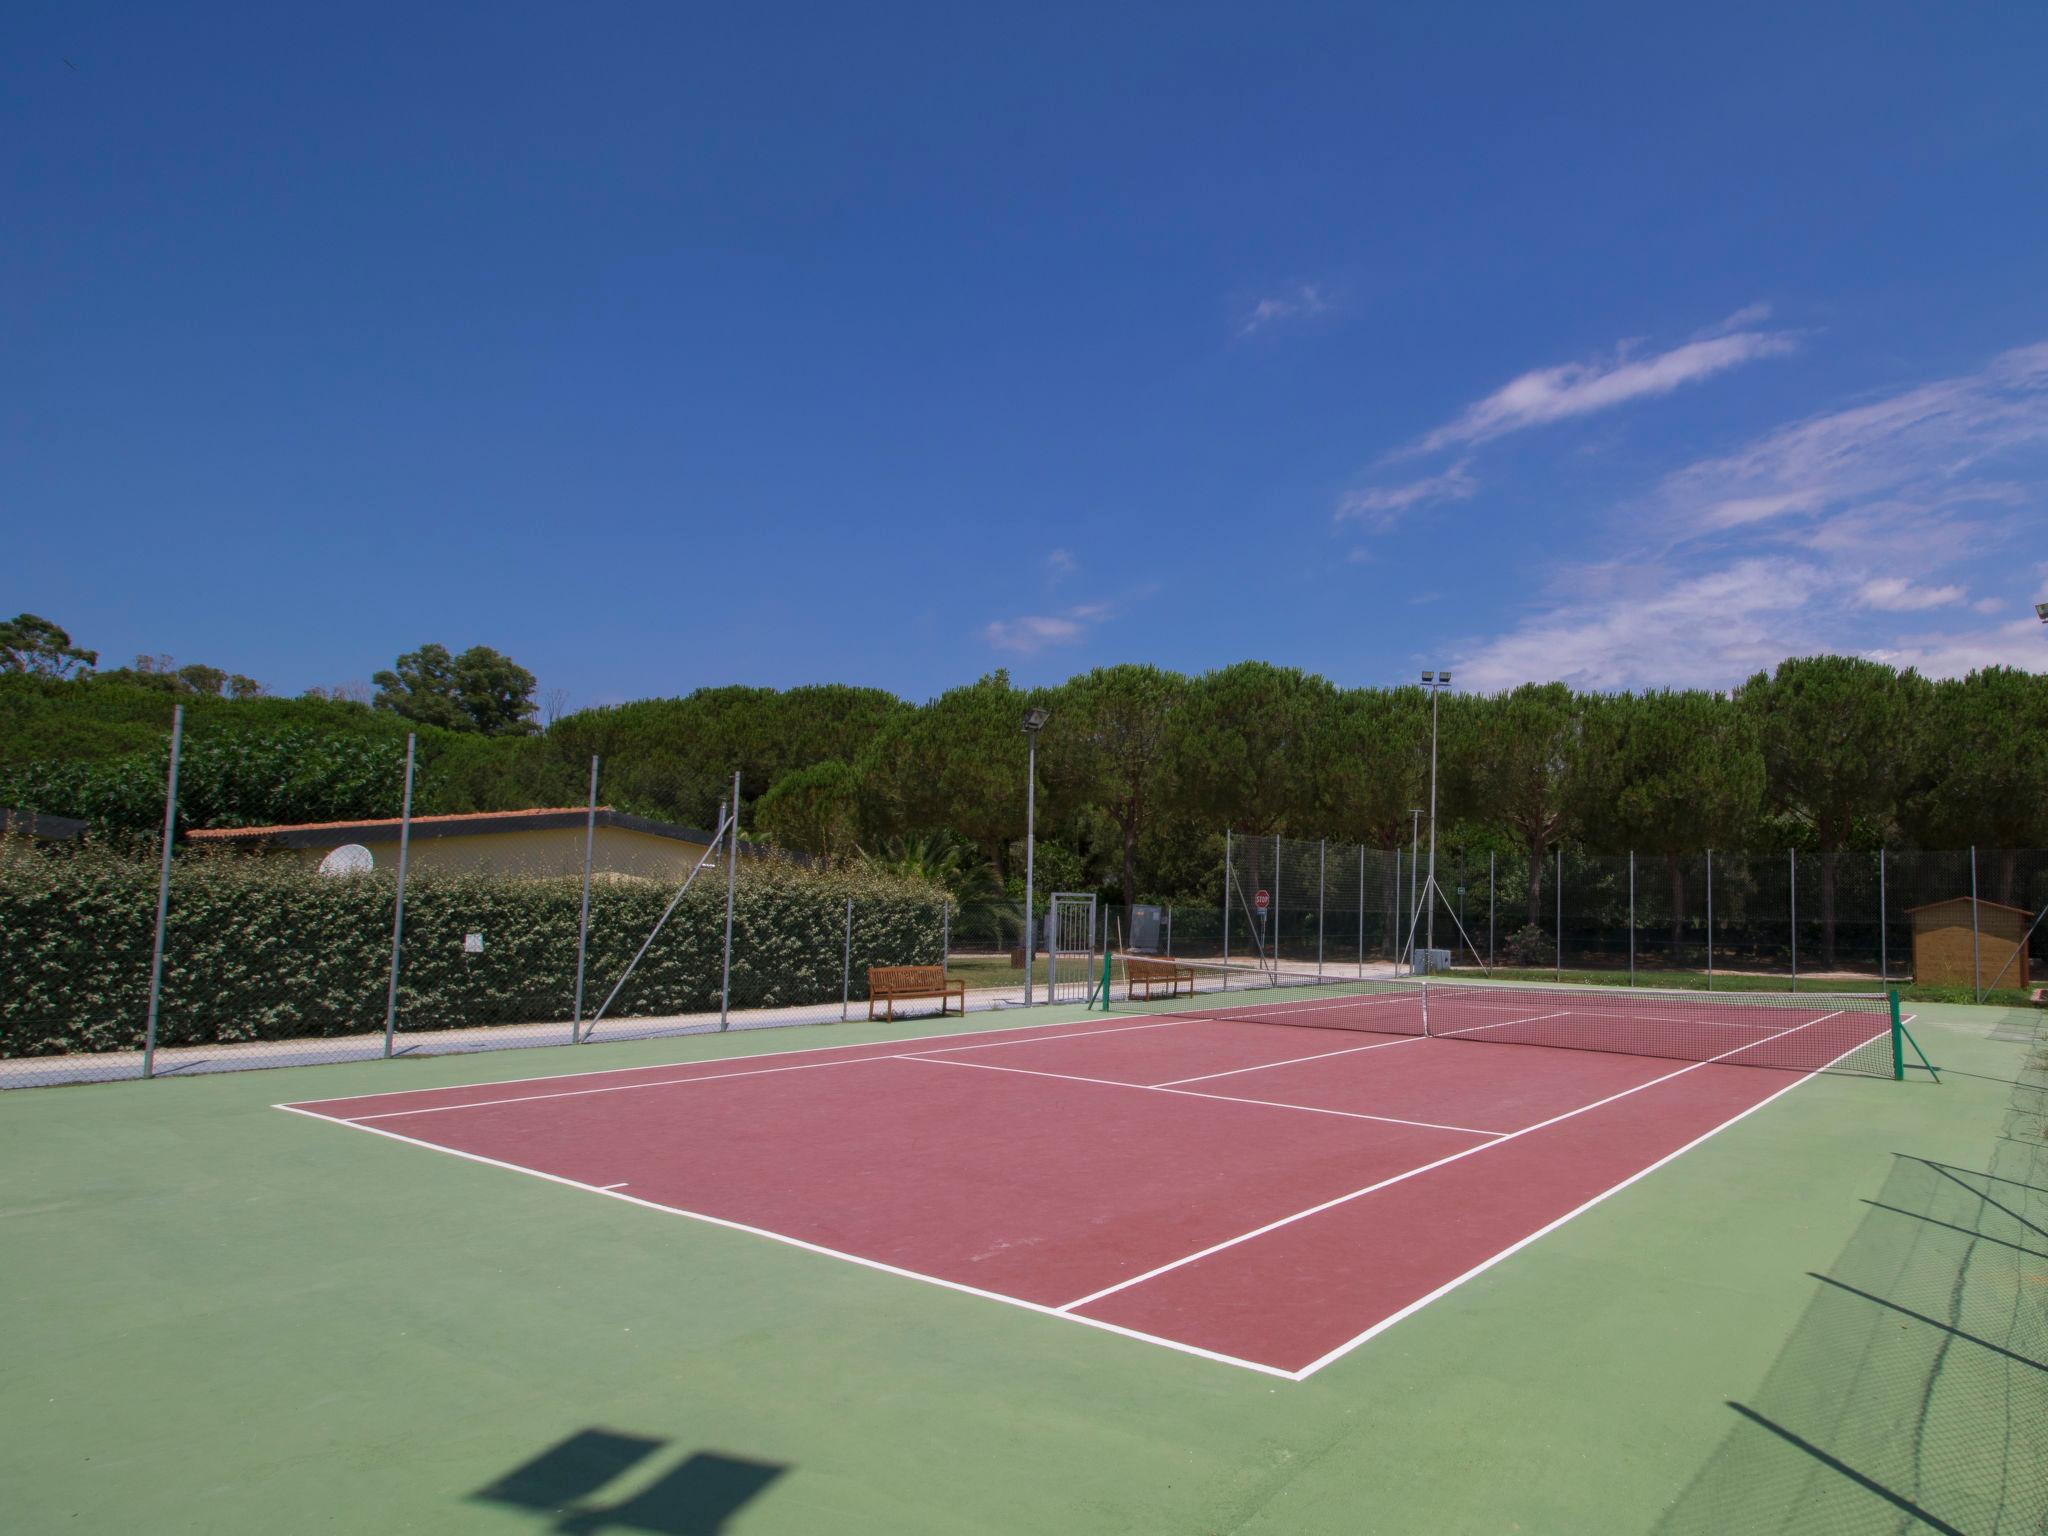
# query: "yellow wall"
540,851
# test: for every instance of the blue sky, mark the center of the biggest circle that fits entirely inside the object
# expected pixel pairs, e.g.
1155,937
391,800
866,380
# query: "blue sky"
663,346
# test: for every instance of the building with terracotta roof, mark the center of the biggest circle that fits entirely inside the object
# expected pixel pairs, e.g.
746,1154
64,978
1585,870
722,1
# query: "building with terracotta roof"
534,843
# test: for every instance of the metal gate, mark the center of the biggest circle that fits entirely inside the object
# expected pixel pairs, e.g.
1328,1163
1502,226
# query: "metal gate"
1073,971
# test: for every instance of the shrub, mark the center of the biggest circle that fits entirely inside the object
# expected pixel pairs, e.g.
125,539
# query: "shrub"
261,948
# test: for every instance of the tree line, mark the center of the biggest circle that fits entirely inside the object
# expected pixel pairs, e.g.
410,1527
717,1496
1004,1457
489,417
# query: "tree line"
1140,768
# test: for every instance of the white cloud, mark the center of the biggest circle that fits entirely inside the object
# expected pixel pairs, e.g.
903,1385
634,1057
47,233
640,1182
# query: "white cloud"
1581,389
1382,505
1297,303
1035,632
1769,551
1705,631
1898,595
1060,564
1922,446
1741,320
2017,644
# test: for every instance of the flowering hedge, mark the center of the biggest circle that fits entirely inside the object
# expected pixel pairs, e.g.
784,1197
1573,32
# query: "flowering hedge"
264,949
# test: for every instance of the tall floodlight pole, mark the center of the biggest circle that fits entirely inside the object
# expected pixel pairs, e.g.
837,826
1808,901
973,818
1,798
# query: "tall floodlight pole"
1034,722
1435,682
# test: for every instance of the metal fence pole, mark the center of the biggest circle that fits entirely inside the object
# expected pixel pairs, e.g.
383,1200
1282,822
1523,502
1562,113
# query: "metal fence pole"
1273,918
1489,911
1884,969
1710,919
398,907
163,894
732,873
1976,965
1560,913
846,966
1361,910
945,933
1793,856
1226,909
583,921
1169,930
1322,899
1631,917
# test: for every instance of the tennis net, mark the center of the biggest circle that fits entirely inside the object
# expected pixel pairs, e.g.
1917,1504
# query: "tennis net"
1790,1031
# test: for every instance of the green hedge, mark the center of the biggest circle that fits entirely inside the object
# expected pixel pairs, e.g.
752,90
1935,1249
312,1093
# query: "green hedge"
263,949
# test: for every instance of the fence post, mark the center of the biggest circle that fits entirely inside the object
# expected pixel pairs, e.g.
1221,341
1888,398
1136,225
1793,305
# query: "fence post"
163,894
1884,969
583,921
1489,911
945,933
398,908
1559,975
1226,909
1322,899
1793,856
732,872
1976,965
1273,918
1361,911
1710,919
1169,930
1631,917
846,966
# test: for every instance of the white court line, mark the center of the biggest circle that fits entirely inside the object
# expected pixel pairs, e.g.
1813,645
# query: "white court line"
1349,1050
1543,1231
1473,1029
797,1242
608,1188
702,1077
920,1041
1374,1188
1221,1098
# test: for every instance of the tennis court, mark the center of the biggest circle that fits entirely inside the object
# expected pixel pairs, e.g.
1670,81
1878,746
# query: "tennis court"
1268,1180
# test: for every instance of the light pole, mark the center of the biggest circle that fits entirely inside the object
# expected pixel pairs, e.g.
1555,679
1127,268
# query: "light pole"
1436,683
1034,722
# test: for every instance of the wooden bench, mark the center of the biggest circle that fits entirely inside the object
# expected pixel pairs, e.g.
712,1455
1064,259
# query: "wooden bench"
892,984
1150,973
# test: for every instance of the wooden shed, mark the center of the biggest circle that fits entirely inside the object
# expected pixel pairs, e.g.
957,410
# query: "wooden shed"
1941,943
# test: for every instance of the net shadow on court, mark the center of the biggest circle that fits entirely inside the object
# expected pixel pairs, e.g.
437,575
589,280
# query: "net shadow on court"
1913,1395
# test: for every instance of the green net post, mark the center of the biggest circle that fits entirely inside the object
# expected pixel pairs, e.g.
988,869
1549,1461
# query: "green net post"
1105,978
1898,1040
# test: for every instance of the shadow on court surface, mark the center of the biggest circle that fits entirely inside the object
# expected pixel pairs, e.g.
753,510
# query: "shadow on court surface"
1913,1395
693,1498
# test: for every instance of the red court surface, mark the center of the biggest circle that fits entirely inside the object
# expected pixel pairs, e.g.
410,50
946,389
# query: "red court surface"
1268,1194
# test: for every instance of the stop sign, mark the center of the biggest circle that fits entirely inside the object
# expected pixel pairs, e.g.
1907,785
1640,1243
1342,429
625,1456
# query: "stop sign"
1263,900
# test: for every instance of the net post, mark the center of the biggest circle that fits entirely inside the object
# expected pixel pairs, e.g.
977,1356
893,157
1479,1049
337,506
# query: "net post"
1898,1040
1105,962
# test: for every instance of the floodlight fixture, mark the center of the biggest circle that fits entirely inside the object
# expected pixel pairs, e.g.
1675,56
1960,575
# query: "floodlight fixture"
1428,677
2041,612
1034,721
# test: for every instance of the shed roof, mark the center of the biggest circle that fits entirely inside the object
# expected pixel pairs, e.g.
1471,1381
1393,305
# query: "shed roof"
39,824
1964,901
